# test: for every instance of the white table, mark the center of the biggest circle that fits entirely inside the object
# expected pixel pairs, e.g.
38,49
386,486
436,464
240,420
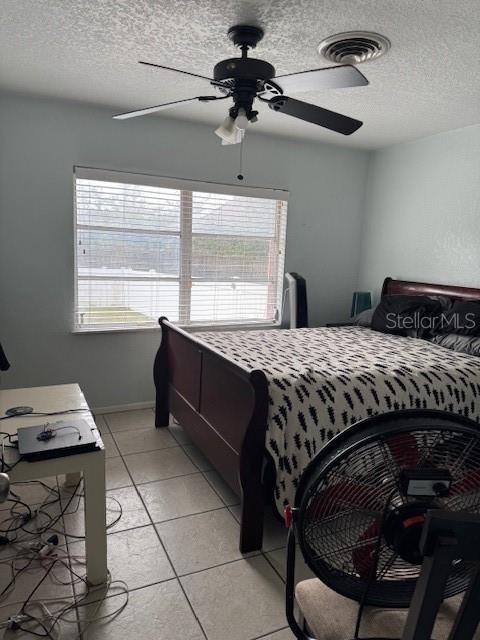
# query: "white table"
91,464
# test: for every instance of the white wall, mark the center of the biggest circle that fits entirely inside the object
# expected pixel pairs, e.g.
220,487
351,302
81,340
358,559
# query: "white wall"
422,212
41,141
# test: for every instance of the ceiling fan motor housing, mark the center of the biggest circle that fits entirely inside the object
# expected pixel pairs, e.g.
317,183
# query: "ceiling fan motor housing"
249,68
246,77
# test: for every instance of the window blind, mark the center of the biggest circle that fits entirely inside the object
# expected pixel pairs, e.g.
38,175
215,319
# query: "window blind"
198,253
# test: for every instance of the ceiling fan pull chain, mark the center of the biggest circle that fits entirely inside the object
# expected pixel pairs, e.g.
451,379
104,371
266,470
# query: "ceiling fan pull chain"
240,175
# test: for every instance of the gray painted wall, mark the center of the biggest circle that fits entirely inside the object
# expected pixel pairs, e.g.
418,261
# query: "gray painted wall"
422,212
42,140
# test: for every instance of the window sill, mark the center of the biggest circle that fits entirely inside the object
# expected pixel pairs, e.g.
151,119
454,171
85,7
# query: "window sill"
115,330
189,328
229,327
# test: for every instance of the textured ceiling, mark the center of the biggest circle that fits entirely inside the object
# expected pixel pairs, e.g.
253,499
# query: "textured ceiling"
87,50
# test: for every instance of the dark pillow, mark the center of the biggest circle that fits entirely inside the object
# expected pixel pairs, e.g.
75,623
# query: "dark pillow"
445,302
458,342
364,318
406,315
463,318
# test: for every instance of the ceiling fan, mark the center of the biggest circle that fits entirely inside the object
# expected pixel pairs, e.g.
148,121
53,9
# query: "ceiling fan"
245,79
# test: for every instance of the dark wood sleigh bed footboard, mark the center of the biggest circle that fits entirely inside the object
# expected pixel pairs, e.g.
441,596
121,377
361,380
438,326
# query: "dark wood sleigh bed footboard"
223,408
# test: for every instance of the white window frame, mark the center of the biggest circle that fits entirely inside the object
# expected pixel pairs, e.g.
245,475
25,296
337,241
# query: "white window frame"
185,234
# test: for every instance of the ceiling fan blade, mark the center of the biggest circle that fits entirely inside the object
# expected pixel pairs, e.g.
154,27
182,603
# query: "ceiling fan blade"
314,114
186,73
327,78
161,107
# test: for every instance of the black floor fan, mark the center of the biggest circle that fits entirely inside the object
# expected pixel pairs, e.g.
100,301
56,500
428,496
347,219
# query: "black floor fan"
387,515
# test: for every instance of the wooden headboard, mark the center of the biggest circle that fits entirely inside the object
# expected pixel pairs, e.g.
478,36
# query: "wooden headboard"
397,287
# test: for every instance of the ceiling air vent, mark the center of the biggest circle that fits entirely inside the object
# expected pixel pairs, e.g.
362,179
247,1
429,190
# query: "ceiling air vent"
353,47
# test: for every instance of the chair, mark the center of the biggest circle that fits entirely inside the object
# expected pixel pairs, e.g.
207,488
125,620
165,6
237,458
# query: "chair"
330,616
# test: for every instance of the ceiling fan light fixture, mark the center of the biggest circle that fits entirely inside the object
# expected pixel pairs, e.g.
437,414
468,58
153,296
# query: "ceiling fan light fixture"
238,139
235,138
241,121
227,130
232,130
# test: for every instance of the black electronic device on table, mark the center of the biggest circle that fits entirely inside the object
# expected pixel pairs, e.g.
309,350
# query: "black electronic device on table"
56,439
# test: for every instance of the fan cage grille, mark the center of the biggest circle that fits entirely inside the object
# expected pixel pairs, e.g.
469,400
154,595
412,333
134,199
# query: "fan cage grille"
342,510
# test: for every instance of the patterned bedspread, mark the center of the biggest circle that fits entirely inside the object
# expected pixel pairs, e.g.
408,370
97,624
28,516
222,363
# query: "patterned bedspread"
323,380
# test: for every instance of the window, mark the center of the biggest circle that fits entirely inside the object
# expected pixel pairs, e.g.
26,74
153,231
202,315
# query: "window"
198,253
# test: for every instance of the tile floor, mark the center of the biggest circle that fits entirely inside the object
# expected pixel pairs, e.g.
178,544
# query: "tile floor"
176,546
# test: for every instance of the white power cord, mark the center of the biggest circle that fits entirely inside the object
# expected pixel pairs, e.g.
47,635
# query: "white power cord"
51,619
47,556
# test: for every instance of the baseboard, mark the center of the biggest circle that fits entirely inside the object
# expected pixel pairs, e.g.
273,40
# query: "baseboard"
123,407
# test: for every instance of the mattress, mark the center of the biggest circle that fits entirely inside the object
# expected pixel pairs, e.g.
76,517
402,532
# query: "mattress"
326,379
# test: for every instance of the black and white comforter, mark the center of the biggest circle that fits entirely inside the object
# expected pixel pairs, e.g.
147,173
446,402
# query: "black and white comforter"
323,380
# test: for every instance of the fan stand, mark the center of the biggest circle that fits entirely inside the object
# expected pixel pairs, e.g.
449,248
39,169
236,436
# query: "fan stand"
446,537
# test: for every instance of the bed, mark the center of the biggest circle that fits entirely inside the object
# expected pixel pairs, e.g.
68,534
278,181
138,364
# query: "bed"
258,400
